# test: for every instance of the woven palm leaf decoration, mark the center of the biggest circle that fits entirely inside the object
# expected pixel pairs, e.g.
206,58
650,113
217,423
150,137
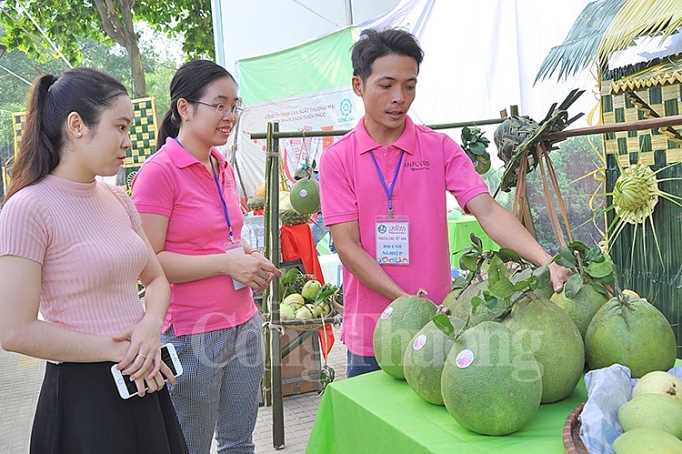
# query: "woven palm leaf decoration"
522,147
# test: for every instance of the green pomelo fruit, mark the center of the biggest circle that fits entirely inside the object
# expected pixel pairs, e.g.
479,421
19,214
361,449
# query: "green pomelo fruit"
544,290
305,196
461,306
646,441
654,411
633,333
489,385
582,307
425,357
550,334
459,301
450,299
396,327
659,382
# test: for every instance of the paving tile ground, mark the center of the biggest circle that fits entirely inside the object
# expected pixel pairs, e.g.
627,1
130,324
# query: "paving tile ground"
21,378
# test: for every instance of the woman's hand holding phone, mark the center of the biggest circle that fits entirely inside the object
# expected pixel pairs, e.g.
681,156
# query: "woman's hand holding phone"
169,368
143,357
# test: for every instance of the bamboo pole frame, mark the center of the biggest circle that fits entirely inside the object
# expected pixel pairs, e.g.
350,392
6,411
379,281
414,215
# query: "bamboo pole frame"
272,377
272,136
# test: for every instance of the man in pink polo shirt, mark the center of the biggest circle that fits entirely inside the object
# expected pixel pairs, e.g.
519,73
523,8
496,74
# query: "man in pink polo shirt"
383,189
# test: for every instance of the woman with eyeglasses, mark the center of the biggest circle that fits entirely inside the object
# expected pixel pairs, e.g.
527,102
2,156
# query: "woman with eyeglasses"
187,197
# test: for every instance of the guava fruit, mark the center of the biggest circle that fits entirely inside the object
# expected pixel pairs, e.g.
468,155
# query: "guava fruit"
286,311
659,382
310,289
647,441
304,313
653,411
489,385
295,300
396,327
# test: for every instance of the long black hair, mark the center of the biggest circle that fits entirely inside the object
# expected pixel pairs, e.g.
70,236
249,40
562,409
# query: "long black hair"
86,91
189,82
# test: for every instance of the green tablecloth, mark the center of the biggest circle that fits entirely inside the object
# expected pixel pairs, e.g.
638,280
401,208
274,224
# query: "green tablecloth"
459,236
374,413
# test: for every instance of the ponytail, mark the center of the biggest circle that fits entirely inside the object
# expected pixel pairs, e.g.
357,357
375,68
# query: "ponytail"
189,82
39,148
86,91
170,127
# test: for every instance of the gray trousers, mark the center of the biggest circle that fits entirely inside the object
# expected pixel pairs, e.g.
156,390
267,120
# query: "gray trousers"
219,391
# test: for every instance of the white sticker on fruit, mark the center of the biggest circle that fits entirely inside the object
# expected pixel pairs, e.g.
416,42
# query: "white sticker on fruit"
464,358
303,193
386,313
419,342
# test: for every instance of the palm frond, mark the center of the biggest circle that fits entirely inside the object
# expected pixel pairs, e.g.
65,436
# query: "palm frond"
582,41
636,19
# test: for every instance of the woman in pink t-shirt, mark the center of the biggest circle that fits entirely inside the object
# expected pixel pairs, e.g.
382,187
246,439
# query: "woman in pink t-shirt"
187,197
73,249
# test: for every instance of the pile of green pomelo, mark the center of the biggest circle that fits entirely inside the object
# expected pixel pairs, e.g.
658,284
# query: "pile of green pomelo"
502,343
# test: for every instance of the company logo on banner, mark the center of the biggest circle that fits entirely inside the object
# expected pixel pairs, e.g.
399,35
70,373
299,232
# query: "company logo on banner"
329,110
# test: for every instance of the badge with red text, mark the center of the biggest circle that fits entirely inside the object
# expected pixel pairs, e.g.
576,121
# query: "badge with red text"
392,235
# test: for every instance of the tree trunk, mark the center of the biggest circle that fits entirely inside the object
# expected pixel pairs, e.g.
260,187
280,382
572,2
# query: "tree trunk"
123,33
139,83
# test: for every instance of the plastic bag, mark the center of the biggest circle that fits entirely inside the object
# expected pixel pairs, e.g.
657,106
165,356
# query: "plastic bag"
607,390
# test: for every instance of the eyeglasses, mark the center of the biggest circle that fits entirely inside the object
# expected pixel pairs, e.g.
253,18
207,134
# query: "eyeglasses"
223,109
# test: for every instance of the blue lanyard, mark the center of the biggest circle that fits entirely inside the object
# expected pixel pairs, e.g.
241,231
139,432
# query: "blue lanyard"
220,192
222,199
387,189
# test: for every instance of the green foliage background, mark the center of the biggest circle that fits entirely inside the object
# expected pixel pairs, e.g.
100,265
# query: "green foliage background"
576,158
159,69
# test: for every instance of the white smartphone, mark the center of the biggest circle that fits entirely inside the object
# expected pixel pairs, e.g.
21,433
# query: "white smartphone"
127,388
236,250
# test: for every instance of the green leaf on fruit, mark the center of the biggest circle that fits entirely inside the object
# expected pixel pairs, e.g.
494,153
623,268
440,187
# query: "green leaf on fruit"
595,255
507,255
442,321
543,277
476,241
565,258
573,285
600,269
468,261
498,282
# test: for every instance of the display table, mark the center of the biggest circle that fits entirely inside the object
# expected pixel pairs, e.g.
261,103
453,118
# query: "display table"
459,236
374,413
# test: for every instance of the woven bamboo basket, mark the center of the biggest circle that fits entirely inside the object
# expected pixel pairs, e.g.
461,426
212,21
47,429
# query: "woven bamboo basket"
573,444
313,323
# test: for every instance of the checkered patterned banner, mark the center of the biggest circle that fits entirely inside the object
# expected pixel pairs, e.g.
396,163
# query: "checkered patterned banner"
142,135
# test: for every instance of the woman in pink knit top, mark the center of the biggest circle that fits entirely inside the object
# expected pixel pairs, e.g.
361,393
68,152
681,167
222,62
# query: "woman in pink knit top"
72,249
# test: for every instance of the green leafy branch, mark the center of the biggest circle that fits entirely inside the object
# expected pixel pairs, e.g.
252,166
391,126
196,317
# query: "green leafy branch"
475,145
591,266
475,259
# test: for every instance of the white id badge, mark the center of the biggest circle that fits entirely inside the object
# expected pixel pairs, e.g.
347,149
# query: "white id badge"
235,248
392,238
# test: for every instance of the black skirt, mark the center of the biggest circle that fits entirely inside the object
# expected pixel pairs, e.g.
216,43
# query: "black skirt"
80,411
